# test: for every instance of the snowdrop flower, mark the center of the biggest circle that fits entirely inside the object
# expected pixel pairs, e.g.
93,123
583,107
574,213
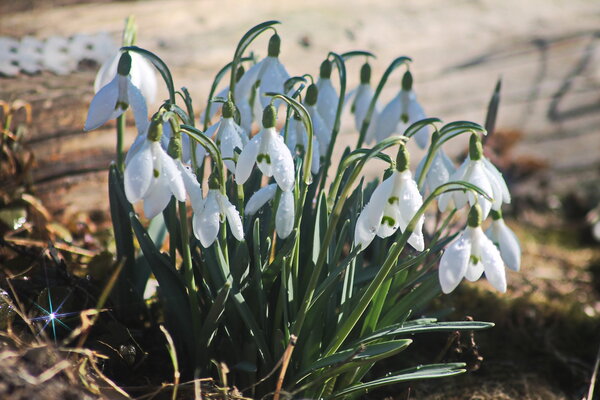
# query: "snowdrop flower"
8,56
400,113
506,240
362,100
152,175
141,75
269,152
216,209
320,129
479,171
56,57
470,255
29,54
114,98
297,141
439,172
230,136
269,74
284,217
328,98
392,205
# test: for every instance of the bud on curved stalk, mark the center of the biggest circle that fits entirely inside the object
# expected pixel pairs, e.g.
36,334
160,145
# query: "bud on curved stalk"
297,140
362,99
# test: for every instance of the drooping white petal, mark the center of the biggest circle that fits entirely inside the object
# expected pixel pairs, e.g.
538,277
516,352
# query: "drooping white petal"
327,102
507,242
139,173
369,219
390,220
143,76
388,119
282,162
246,82
206,223
157,198
272,78
416,113
229,138
264,160
192,186
320,129
107,72
247,159
492,263
232,215
135,146
171,173
410,200
138,105
499,178
284,218
104,107
362,102
260,198
316,157
476,176
454,262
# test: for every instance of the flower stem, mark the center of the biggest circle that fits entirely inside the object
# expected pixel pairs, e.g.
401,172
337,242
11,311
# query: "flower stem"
120,134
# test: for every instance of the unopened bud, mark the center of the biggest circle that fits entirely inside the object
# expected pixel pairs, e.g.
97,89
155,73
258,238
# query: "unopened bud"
124,66
365,73
475,216
274,46
312,93
175,148
269,116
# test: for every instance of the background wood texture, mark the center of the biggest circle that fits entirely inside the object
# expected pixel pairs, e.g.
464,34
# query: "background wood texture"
547,54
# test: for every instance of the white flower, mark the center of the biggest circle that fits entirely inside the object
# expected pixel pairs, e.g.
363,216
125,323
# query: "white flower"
142,75
506,240
469,256
401,112
440,170
114,98
392,205
284,218
269,152
269,73
327,102
152,175
229,136
479,171
217,208
360,106
297,141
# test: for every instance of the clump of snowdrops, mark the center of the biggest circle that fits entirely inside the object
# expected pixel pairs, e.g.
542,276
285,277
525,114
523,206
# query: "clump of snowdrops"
288,267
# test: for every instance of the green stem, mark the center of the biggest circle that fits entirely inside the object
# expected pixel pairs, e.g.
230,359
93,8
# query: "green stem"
120,137
188,273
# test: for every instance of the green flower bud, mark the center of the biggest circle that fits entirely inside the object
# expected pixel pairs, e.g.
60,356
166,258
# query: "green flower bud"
228,109
274,46
407,81
155,130
475,147
269,116
124,66
325,71
496,214
175,148
402,159
312,93
475,216
365,73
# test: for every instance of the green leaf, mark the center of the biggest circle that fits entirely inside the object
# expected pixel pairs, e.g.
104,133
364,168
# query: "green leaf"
415,127
255,332
355,53
210,324
492,111
421,372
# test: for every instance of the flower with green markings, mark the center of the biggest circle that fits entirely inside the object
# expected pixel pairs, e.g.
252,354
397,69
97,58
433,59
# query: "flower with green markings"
230,136
479,171
402,111
151,174
439,172
392,205
269,152
470,255
320,128
328,98
506,240
115,97
215,209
